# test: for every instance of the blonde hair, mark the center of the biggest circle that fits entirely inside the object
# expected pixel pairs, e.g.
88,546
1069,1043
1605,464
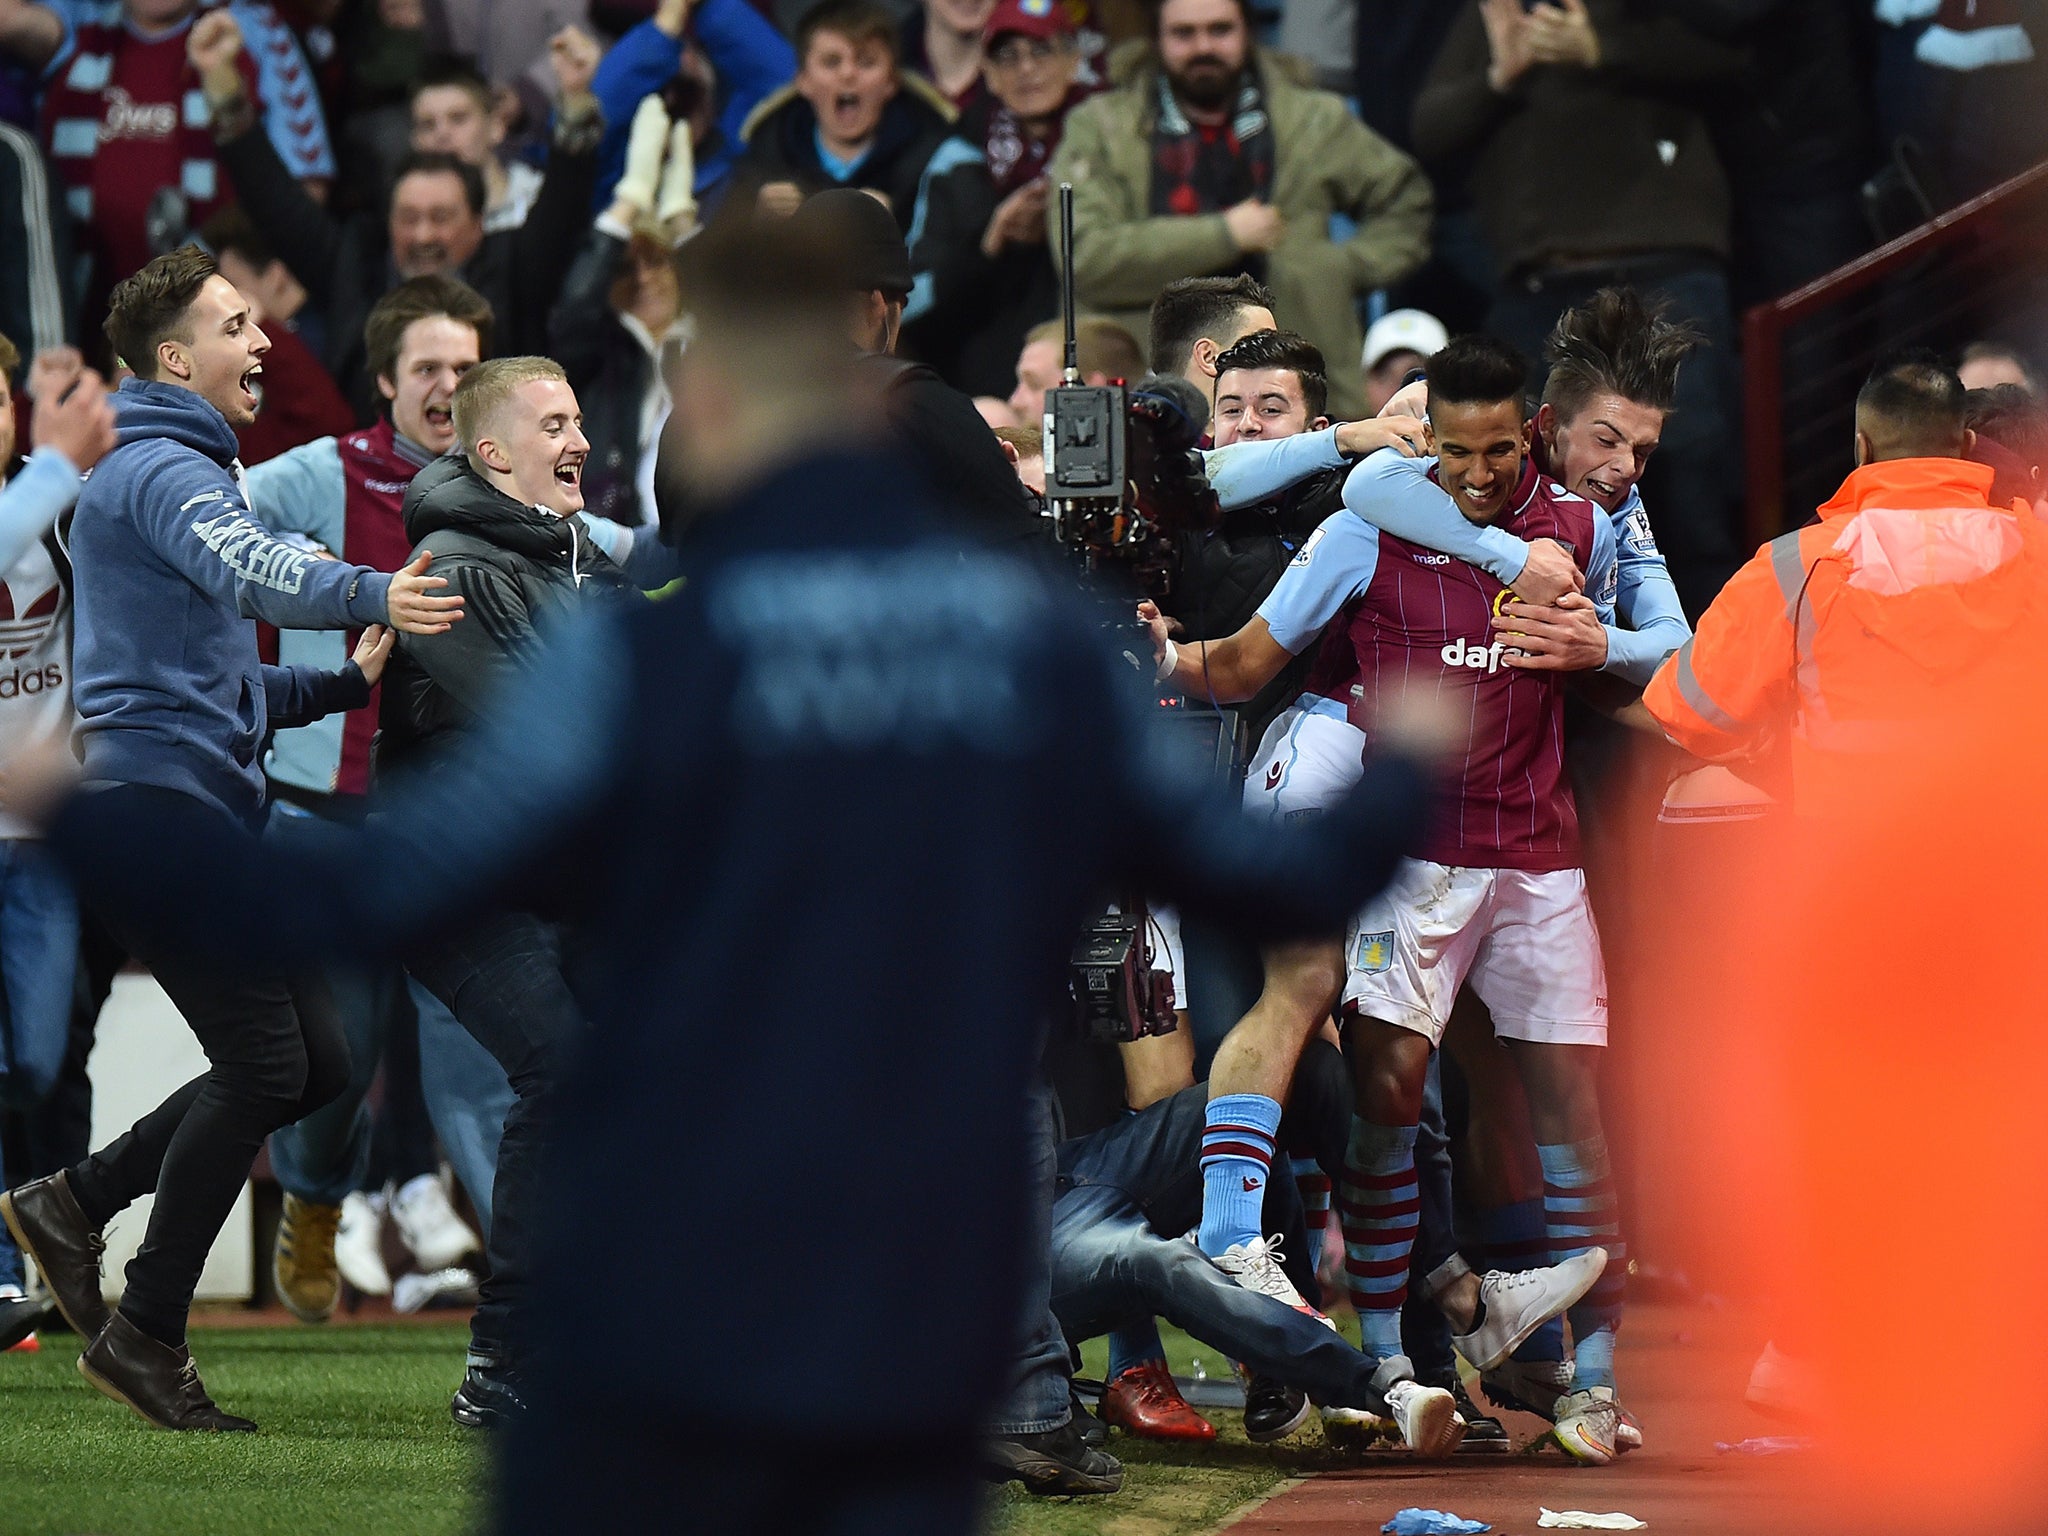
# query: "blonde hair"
486,388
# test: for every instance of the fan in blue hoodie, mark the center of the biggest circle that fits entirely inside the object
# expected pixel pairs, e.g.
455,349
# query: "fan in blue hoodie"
173,704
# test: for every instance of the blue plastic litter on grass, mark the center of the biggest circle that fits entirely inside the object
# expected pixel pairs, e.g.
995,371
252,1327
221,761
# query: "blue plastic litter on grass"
1432,1522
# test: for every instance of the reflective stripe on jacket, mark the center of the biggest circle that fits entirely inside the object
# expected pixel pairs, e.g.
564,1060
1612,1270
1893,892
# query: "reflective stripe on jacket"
1912,596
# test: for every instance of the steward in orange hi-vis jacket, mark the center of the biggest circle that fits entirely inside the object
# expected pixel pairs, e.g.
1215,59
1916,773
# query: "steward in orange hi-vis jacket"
1911,599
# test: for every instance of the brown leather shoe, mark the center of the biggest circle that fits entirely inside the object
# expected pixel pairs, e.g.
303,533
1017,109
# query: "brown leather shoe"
49,1227
160,1383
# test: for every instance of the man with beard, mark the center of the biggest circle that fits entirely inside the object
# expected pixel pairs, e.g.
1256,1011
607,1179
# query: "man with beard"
1210,160
977,240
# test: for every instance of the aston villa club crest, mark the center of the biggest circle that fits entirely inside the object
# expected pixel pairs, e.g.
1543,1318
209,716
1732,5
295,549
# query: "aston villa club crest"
1375,952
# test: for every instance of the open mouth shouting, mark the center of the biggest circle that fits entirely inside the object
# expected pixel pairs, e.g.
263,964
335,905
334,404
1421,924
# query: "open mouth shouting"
440,419
252,387
569,476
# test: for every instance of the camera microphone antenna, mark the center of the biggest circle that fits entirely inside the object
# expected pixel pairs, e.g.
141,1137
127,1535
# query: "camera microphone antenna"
1073,370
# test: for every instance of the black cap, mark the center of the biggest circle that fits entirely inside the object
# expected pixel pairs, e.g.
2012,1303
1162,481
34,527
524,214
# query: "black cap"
863,233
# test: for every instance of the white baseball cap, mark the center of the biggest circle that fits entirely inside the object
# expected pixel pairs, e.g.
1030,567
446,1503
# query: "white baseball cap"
1403,330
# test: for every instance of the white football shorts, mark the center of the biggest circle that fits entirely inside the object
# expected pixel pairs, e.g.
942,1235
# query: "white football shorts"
1526,941
1310,758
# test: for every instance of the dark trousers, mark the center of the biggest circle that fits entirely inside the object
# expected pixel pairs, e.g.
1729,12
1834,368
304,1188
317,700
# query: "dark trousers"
602,1466
501,976
274,1052
1693,486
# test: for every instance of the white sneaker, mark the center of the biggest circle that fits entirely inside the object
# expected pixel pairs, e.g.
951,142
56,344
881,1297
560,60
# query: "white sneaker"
457,1287
1783,1385
1513,1306
1427,1417
1255,1265
1589,1426
359,1244
437,1236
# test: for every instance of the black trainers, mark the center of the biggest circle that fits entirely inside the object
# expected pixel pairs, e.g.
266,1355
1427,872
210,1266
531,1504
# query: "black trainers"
1094,1432
491,1397
1052,1462
1484,1434
21,1316
1272,1409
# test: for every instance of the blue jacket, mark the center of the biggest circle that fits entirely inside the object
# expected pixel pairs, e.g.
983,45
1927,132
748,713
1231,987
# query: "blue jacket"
171,572
750,58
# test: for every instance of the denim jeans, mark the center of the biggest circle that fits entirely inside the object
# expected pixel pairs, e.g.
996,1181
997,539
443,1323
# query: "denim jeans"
468,1097
1118,1190
326,1156
501,975
38,965
1040,1395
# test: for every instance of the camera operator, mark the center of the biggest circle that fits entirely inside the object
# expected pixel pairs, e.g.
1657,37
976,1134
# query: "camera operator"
852,738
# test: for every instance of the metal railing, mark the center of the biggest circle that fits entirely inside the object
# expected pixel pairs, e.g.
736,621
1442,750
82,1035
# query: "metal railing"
1971,270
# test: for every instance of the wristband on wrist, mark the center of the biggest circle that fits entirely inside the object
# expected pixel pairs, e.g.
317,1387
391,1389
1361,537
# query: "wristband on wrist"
1168,664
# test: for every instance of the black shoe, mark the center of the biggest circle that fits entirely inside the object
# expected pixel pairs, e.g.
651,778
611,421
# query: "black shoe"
1272,1409
491,1397
1484,1434
1094,1432
1055,1461
21,1316
49,1227
160,1383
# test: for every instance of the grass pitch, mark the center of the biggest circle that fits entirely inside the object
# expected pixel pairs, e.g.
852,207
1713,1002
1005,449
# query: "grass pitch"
356,1441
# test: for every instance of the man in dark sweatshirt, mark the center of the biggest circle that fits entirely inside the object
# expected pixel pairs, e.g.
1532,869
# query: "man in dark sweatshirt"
174,704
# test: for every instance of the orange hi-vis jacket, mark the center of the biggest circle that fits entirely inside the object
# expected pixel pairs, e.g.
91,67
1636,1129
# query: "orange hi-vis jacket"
1911,600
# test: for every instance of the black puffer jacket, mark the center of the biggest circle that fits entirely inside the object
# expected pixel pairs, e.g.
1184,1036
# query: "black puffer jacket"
517,570
1220,577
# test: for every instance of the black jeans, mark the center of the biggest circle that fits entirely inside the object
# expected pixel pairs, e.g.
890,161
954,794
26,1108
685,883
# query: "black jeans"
501,976
275,1052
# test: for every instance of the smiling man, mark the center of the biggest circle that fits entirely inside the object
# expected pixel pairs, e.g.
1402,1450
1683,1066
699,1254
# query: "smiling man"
174,703
499,519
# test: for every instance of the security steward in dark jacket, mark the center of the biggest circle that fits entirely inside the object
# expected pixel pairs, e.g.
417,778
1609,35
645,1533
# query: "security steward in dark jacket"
499,520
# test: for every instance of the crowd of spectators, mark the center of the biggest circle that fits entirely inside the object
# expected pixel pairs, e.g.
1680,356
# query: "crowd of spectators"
1487,163
1290,212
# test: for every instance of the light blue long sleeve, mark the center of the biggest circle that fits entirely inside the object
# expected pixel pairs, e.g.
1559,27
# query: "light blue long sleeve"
33,501
1245,474
1396,496
1646,601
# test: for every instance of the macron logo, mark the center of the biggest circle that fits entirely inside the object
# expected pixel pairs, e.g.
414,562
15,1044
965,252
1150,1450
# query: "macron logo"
1480,658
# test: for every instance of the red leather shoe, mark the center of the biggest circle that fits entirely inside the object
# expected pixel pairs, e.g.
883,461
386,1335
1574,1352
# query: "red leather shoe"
1143,1401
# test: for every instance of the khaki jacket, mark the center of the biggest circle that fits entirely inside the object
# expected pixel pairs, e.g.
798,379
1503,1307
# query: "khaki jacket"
1325,161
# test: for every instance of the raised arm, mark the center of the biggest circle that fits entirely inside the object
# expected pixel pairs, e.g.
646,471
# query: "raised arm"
306,237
